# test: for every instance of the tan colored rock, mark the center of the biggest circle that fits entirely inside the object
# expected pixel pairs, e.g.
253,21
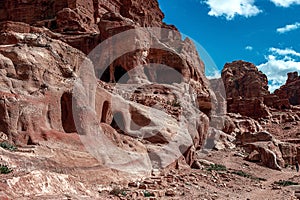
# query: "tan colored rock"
217,85
34,80
237,124
269,155
289,152
248,137
3,137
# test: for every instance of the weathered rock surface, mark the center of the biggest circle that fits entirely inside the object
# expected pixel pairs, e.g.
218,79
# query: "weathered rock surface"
237,124
36,83
247,137
266,153
78,20
263,147
220,103
291,89
164,122
247,91
245,88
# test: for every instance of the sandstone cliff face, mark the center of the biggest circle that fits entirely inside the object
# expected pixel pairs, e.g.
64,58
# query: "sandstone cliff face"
36,78
247,91
79,15
291,89
78,20
43,48
38,70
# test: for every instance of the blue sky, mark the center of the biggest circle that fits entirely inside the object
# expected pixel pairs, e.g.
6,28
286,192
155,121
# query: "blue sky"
264,32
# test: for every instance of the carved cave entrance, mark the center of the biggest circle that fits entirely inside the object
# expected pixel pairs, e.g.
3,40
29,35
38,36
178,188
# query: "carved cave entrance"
105,110
67,119
119,73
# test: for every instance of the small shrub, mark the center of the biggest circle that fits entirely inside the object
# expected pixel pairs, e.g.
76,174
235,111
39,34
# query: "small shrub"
176,104
259,179
217,167
286,165
246,175
148,194
241,173
285,183
118,192
7,146
4,169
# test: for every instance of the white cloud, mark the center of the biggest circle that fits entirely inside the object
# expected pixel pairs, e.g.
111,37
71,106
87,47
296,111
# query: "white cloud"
289,27
249,48
284,52
214,75
279,63
231,8
285,3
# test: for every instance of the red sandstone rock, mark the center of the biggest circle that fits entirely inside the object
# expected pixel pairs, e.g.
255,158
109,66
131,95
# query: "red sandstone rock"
38,70
237,124
34,79
247,137
247,91
291,89
269,155
245,88
78,17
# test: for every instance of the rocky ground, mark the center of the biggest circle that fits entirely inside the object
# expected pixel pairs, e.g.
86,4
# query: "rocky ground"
240,180
40,172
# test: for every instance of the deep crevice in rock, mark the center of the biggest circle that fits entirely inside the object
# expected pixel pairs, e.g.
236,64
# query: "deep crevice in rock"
105,110
67,113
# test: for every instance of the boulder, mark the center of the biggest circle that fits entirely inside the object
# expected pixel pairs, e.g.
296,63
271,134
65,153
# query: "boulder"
238,124
248,137
289,152
268,154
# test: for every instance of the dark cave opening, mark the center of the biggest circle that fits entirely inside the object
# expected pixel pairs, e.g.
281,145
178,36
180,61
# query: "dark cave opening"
105,76
67,113
105,110
120,75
